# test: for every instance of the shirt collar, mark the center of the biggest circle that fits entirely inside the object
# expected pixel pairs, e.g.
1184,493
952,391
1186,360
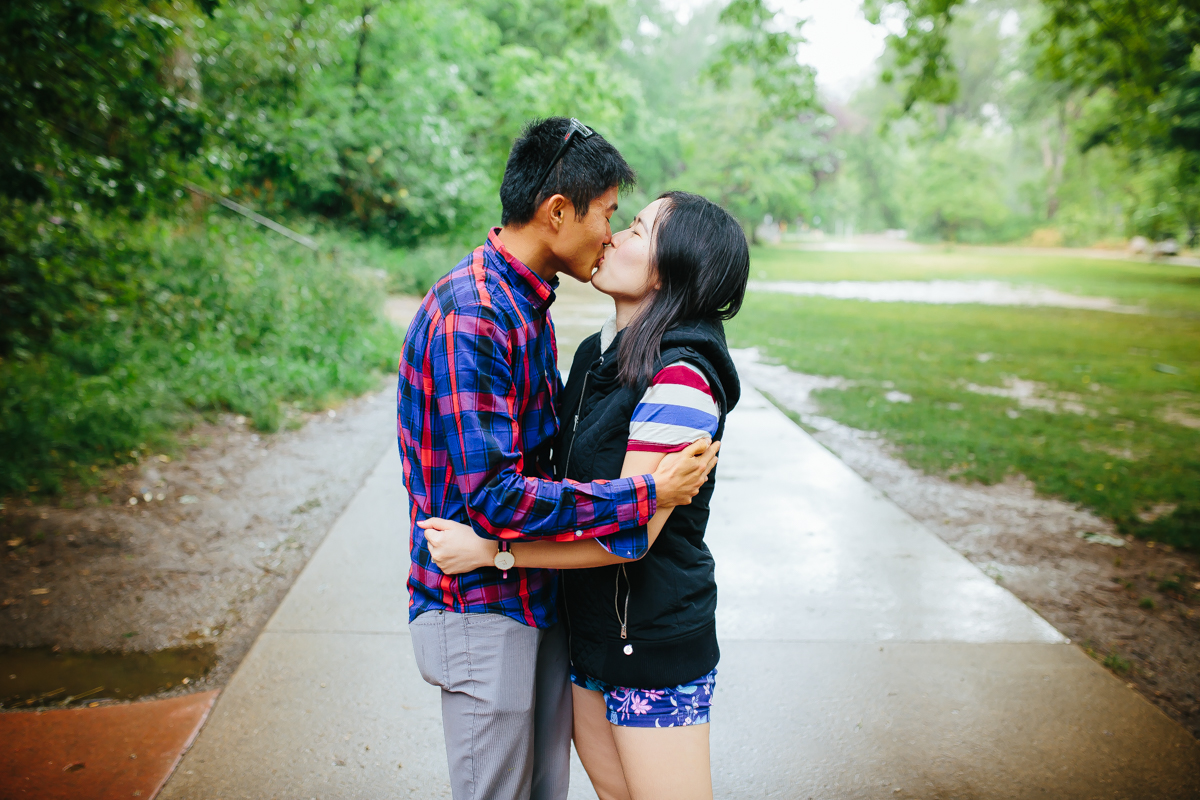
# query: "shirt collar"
608,332
538,292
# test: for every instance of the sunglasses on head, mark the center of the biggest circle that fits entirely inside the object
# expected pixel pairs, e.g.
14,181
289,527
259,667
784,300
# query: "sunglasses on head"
575,129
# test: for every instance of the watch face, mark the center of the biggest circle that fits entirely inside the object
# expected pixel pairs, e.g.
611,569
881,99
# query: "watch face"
505,560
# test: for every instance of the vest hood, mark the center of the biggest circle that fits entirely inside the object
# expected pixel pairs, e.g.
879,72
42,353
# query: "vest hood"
704,338
707,338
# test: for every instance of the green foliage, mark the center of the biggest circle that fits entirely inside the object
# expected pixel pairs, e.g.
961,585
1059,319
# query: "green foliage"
59,272
956,192
1141,50
396,118
787,87
1122,76
407,271
748,170
922,50
223,317
351,111
1107,429
96,105
383,125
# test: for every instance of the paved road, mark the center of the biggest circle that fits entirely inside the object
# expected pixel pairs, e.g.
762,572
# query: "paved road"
861,658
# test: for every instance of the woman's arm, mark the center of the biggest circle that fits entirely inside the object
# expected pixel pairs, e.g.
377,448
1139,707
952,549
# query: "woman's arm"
578,555
457,549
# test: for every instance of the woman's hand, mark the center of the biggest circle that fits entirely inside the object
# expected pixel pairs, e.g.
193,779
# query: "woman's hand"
455,547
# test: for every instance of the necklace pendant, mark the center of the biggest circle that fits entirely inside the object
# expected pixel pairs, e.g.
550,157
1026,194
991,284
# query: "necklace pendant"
628,650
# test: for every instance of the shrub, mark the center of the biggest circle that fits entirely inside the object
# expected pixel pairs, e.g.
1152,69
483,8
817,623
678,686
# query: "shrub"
217,316
406,270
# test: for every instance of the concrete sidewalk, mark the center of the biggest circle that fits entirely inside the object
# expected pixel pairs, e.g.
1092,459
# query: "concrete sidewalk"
861,658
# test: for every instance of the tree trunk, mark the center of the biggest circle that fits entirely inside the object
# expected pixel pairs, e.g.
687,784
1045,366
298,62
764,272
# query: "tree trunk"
1054,142
364,29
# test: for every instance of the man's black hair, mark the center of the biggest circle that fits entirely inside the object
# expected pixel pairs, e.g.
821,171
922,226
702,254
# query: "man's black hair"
588,169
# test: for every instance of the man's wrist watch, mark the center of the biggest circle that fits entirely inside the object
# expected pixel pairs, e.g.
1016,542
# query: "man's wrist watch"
504,559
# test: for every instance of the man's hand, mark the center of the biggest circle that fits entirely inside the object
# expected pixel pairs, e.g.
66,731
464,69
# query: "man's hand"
455,547
680,475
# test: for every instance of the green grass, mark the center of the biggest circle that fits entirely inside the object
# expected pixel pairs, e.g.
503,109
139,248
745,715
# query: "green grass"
1117,664
218,315
1120,457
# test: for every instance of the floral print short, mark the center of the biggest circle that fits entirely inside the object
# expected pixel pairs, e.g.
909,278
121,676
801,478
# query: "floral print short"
686,704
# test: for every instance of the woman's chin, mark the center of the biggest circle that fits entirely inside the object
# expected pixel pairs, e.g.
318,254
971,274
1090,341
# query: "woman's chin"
598,283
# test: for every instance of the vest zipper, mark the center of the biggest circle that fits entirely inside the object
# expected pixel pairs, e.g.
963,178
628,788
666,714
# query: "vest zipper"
566,464
623,620
575,425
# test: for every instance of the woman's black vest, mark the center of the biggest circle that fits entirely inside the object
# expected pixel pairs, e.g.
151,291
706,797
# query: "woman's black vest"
670,594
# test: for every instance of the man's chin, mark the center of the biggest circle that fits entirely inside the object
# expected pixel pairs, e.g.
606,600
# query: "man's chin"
585,276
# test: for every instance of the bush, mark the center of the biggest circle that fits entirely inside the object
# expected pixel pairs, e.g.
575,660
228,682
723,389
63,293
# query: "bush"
406,271
218,316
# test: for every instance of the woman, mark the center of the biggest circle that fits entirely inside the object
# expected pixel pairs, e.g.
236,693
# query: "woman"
657,377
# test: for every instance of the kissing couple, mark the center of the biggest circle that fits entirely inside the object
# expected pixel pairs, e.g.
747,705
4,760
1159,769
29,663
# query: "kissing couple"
560,586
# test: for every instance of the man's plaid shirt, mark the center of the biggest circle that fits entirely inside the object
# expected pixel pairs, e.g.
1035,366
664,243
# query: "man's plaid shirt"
478,382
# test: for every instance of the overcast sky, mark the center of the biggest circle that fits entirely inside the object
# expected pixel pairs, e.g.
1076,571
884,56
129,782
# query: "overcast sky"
842,45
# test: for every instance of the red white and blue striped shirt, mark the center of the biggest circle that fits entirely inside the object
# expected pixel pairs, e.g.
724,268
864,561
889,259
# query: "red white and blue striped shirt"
478,380
675,411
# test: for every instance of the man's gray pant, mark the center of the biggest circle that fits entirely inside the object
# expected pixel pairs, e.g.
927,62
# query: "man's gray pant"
506,703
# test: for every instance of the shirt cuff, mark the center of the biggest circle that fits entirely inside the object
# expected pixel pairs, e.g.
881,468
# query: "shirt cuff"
631,544
647,498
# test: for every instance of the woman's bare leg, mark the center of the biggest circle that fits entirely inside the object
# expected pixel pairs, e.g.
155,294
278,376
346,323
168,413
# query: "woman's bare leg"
664,763
595,745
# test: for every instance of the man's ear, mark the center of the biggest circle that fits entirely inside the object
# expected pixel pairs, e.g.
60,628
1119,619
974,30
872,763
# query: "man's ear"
556,208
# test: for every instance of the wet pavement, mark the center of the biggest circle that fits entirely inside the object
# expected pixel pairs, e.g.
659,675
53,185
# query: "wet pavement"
862,658
118,751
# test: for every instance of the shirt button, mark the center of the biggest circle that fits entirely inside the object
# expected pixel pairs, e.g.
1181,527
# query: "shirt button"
579,533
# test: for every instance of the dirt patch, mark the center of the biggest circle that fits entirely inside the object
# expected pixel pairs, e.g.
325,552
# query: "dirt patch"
1031,394
194,550
1134,607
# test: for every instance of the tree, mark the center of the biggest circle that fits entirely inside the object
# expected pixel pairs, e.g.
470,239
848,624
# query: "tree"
766,43
1136,59
97,118
95,101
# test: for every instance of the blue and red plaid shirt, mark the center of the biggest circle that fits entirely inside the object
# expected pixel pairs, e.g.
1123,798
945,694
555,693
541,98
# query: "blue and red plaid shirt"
478,381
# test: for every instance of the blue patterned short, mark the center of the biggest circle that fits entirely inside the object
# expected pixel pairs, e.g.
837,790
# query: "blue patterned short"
686,704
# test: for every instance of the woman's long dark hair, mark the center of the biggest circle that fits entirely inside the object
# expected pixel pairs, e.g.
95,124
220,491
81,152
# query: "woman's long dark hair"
703,262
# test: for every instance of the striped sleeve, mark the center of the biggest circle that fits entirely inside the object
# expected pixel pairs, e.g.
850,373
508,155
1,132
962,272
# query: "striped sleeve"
675,411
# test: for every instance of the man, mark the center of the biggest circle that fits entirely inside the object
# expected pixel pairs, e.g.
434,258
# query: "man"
478,381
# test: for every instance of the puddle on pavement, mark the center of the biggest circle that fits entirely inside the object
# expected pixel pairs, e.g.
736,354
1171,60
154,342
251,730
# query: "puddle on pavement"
39,677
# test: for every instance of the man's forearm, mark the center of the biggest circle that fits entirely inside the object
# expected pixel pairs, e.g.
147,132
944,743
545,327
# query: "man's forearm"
518,508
